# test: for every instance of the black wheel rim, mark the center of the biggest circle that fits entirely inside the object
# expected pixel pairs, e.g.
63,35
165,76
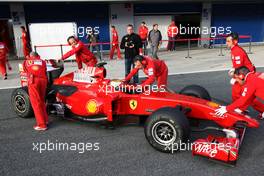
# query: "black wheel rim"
164,133
20,103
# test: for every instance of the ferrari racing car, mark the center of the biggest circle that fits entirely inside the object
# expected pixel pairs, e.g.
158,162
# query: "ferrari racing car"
86,94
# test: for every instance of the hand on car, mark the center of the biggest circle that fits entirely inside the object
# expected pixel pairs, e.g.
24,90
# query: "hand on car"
221,111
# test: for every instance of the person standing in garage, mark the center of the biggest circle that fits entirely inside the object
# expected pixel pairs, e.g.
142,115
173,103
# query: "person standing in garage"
172,33
143,33
25,42
115,44
3,59
133,46
37,84
82,54
93,40
154,39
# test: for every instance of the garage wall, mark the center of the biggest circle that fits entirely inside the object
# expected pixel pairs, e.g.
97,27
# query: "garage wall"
243,18
120,16
166,8
162,21
4,11
87,16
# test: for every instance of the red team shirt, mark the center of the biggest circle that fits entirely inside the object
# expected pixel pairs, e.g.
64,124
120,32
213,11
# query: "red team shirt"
114,37
3,51
253,88
35,67
82,54
143,32
153,69
172,30
240,58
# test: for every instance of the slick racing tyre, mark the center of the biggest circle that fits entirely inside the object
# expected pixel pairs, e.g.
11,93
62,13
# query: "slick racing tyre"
21,104
166,129
196,91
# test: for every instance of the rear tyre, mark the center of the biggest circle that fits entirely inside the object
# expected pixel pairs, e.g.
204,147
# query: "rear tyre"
21,103
196,91
165,128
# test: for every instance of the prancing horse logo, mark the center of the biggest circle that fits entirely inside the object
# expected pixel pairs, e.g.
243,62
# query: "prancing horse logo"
133,104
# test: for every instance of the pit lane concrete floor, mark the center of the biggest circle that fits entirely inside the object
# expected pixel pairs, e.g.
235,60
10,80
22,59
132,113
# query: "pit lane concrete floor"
123,151
202,60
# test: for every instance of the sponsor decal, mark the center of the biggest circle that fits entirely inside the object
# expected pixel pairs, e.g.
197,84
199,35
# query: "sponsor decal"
133,104
213,104
91,106
35,68
150,71
244,92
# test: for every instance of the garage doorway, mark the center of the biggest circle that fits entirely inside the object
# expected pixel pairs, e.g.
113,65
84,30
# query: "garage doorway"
7,34
187,20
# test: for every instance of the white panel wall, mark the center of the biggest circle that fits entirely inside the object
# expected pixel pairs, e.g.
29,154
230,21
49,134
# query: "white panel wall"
162,21
120,17
51,34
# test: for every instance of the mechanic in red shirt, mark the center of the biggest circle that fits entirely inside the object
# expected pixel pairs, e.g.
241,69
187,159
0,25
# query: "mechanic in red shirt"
143,34
153,68
172,33
82,54
3,59
239,58
37,84
253,87
115,44
25,42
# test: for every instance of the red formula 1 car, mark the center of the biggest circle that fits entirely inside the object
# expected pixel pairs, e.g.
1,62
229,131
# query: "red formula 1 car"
89,96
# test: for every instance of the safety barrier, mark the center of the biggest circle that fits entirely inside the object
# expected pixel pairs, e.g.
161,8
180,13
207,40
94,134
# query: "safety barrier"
220,38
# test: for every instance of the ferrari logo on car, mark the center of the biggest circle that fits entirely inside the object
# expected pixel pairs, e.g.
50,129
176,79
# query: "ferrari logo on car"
133,104
91,106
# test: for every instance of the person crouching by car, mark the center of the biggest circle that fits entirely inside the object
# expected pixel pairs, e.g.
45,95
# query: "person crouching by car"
154,39
82,54
153,68
253,88
37,84
133,46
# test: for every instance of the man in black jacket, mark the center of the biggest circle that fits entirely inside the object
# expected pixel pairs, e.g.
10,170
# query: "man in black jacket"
133,46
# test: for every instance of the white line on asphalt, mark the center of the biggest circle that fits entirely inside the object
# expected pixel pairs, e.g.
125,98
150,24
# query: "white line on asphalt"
11,87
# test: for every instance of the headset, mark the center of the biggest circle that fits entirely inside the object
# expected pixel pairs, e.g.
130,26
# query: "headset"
141,59
241,72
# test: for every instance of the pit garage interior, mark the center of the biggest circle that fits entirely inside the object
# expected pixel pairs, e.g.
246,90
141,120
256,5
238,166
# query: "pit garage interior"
103,15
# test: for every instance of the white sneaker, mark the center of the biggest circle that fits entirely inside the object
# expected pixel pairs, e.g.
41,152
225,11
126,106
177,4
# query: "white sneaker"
38,128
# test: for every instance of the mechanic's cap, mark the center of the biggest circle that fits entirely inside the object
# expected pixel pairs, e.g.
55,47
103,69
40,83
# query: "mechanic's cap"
234,36
138,58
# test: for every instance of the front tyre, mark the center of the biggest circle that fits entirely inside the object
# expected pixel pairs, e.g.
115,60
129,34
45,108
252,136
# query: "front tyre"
165,128
21,103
